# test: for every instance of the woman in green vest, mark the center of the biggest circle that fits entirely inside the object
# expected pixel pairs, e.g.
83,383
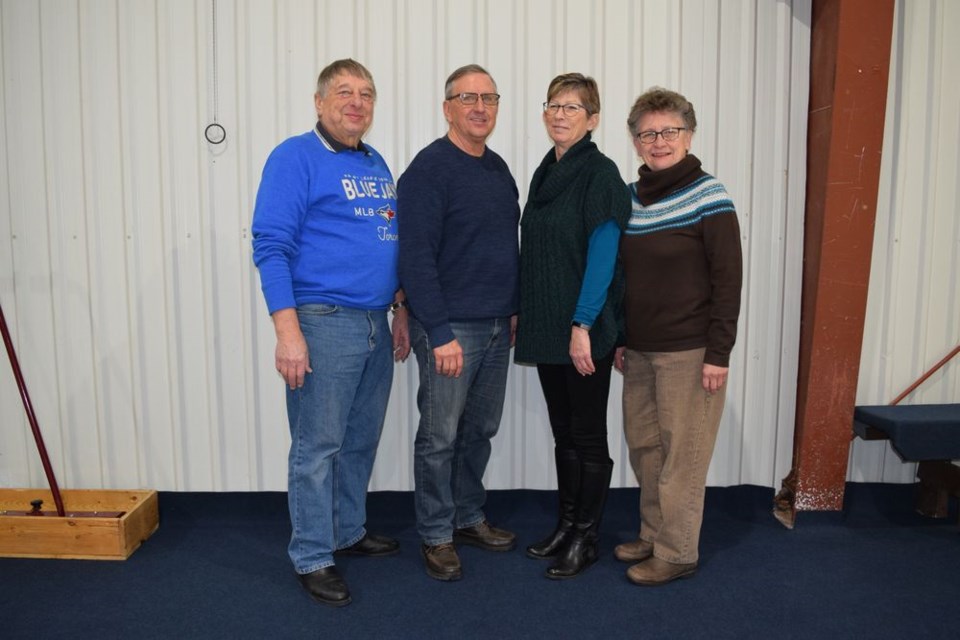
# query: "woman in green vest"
570,294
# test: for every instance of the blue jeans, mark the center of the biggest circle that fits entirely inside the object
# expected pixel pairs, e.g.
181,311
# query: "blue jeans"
335,424
458,417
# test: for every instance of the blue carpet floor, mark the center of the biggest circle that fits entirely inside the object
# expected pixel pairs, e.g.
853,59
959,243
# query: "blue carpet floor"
217,568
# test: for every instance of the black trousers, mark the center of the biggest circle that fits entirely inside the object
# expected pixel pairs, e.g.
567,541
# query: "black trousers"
577,406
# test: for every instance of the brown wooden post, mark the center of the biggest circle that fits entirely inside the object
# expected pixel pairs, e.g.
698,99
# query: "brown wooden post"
849,66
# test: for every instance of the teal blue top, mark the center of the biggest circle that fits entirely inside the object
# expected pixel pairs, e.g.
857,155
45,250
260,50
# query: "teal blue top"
601,261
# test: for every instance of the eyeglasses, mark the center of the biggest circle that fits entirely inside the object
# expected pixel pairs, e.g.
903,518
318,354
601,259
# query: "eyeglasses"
347,94
569,110
669,135
470,99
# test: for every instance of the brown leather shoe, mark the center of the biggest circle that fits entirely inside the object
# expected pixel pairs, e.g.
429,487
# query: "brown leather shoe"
654,572
442,561
636,551
485,536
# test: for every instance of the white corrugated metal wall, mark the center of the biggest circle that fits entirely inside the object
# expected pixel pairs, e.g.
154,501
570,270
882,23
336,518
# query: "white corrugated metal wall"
913,308
125,268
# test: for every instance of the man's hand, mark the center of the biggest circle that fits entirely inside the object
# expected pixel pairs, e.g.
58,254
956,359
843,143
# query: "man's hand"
580,351
714,377
513,330
449,359
401,334
292,357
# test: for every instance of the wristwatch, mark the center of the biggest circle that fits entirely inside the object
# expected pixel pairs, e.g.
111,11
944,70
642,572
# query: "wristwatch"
396,306
582,325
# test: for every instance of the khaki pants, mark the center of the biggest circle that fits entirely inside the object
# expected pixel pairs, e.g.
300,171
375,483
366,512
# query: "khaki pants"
670,424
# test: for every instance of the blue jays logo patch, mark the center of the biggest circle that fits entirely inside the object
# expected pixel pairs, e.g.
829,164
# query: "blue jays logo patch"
387,213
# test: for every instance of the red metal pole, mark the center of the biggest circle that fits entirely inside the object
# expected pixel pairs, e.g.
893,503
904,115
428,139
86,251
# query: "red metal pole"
31,416
849,72
929,373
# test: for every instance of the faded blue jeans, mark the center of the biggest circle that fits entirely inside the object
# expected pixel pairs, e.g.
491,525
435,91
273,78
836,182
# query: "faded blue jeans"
458,418
335,424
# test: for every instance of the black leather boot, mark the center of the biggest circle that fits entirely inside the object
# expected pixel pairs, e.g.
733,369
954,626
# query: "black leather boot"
568,486
581,550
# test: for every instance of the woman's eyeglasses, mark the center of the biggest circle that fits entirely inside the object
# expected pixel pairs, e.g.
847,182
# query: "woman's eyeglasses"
569,110
669,135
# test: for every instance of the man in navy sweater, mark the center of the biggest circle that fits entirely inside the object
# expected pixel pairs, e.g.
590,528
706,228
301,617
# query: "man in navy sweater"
325,242
459,266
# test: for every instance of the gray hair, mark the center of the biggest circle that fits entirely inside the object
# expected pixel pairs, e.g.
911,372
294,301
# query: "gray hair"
346,66
465,70
658,99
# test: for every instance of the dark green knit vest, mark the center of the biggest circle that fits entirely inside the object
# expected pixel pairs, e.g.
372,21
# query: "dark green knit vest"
568,200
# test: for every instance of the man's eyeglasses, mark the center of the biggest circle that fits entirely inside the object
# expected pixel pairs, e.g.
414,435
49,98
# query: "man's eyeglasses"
669,135
470,99
569,110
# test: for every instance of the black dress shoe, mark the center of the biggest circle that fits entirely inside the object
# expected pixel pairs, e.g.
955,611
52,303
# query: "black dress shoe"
372,545
485,536
326,586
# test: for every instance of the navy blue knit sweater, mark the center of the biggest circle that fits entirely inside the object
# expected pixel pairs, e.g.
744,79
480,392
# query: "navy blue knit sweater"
459,248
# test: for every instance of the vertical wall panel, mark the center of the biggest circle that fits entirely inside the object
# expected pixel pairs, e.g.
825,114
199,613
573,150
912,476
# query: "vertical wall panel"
257,132
70,285
297,38
15,454
109,305
913,307
777,100
149,327
147,242
793,226
31,315
227,242
180,150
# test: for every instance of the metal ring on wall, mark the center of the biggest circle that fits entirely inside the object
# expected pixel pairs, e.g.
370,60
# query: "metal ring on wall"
215,133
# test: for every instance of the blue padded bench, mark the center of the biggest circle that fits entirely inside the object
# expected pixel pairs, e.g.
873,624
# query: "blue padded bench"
916,431
924,433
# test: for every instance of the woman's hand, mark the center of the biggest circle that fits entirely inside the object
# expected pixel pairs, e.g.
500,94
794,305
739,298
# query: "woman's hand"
618,362
580,351
714,377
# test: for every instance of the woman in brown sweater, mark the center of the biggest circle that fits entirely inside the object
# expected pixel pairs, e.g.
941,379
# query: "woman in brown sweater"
683,268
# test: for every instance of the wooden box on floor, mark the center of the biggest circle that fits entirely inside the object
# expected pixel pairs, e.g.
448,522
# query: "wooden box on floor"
87,537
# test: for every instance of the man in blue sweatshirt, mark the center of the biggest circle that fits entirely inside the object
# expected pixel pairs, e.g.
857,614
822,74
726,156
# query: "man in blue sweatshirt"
325,242
459,266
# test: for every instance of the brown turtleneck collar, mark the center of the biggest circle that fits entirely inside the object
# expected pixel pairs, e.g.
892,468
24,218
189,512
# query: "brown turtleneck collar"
653,186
